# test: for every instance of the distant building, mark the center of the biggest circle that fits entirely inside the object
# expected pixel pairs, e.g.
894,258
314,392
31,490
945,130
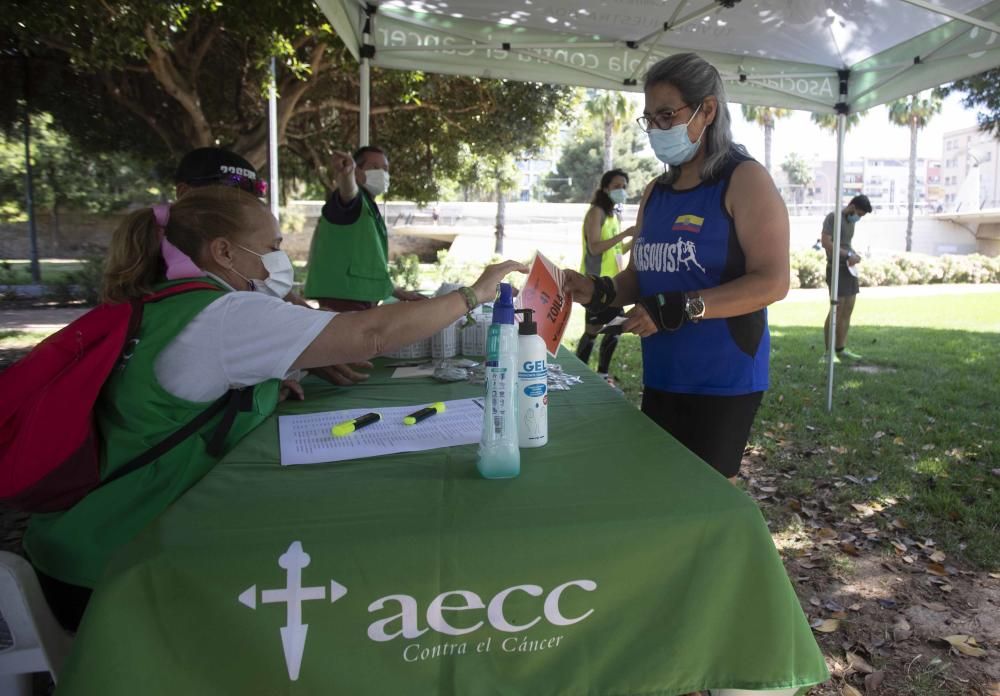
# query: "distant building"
533,172
968,152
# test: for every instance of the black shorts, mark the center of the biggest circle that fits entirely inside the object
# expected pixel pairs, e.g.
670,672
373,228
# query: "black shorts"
716,428
603,317
847,284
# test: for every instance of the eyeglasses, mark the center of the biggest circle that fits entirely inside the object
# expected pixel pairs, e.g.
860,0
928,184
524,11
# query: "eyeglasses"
256,187
661,120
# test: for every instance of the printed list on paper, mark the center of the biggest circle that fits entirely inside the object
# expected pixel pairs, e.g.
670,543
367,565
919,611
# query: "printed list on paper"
306,439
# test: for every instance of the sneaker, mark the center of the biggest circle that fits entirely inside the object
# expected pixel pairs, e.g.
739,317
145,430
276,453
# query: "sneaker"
848,355
836,358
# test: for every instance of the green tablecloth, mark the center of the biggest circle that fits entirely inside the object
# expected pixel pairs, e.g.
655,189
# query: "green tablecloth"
617,563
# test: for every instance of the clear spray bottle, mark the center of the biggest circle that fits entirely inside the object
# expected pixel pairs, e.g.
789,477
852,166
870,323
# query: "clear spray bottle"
499,456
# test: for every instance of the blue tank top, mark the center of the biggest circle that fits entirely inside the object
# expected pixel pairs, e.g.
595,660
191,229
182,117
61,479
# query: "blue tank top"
688,242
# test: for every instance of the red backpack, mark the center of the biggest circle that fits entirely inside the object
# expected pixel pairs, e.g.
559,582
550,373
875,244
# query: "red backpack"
49,442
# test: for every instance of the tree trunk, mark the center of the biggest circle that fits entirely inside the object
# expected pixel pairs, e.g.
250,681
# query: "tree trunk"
768,130
912,185
609,141
501,216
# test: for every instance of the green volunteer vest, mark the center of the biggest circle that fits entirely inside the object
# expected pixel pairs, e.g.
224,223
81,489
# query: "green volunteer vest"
134,413
605,264
350,262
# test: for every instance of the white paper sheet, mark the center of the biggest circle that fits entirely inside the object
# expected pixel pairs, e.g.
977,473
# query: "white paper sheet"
414,371
306,439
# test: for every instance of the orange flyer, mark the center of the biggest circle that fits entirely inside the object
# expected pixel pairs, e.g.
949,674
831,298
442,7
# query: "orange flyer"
543,294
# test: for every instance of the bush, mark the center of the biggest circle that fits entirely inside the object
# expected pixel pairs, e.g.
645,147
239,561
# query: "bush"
405,272
974,268
810,267
90,277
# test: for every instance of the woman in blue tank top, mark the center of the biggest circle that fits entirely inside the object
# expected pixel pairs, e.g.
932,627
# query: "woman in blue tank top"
711,255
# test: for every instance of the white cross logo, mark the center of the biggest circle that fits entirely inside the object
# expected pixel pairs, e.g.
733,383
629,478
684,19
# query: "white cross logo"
293,633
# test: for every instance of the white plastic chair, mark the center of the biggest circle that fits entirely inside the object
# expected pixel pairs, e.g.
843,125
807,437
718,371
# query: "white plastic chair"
39,643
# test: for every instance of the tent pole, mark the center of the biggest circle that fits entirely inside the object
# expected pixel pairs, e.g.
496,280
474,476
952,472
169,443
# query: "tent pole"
272,142
367,52
835,274
842,110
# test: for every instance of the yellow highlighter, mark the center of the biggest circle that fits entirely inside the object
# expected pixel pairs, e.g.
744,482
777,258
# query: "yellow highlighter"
348,427
427,412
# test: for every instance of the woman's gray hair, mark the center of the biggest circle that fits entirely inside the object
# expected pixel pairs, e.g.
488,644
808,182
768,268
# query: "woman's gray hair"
696,79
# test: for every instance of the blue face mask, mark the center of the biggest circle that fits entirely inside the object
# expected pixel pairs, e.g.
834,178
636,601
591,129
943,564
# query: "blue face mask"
674,146
852,218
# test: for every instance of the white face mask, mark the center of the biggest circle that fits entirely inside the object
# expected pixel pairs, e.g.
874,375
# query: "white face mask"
617,196
376,181
280,274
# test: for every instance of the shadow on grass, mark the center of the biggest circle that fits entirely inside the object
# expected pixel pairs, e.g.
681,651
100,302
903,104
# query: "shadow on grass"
922,419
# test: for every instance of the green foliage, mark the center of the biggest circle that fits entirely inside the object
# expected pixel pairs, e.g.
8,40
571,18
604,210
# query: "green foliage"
581,161
90,278
160,78
797,170
982,92
405,272
919,423
829,121
64,178
764,116
809,267
799,174
915,110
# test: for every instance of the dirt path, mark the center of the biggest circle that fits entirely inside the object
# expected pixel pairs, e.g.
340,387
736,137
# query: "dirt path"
880,616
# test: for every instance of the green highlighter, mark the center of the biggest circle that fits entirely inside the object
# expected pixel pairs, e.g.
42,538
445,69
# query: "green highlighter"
423,413
348,427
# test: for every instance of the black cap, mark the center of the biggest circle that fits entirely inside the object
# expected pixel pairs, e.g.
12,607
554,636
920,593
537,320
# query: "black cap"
207,164
528,326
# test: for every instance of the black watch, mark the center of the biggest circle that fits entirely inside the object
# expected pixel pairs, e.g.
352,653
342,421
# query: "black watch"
694,308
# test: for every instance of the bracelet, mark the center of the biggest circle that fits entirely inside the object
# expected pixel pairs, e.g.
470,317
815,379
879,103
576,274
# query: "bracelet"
471,302
604,294
469,295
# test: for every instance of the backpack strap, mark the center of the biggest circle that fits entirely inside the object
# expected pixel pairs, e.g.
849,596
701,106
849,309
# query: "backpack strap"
232,401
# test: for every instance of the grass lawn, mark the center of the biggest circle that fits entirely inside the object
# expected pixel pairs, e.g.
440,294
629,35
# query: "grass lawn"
919,431
54,271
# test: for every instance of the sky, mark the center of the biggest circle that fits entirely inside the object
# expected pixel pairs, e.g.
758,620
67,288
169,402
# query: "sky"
873,137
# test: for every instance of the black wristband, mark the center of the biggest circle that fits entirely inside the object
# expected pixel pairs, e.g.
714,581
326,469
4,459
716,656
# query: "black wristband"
604,294
666,309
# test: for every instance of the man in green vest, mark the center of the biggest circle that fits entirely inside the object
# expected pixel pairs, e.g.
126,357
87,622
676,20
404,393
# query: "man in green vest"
349,255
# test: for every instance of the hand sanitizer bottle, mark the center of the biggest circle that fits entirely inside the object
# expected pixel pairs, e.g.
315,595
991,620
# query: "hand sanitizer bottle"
499,456
532,384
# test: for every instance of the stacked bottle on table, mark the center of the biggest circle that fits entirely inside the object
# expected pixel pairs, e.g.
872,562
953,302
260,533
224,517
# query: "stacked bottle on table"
515,413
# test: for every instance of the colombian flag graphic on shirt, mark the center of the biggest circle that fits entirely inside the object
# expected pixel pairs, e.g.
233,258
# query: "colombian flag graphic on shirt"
688,223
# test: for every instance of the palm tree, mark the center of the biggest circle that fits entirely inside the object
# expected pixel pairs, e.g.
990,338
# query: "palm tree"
765,116
612,109
829,121
914,112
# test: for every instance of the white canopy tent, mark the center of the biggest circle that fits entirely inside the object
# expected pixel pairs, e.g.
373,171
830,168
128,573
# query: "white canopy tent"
827,56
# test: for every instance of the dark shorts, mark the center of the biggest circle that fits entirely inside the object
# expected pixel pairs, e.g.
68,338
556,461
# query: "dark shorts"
847,285
335,305
603,317
716,428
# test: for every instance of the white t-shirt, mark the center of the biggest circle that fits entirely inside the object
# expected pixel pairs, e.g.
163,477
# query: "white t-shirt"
241,339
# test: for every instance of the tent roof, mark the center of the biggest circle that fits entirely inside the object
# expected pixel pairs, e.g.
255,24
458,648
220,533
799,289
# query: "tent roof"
783,53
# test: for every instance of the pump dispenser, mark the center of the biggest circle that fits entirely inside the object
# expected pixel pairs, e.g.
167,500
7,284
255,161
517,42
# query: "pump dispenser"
499,456
532,384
